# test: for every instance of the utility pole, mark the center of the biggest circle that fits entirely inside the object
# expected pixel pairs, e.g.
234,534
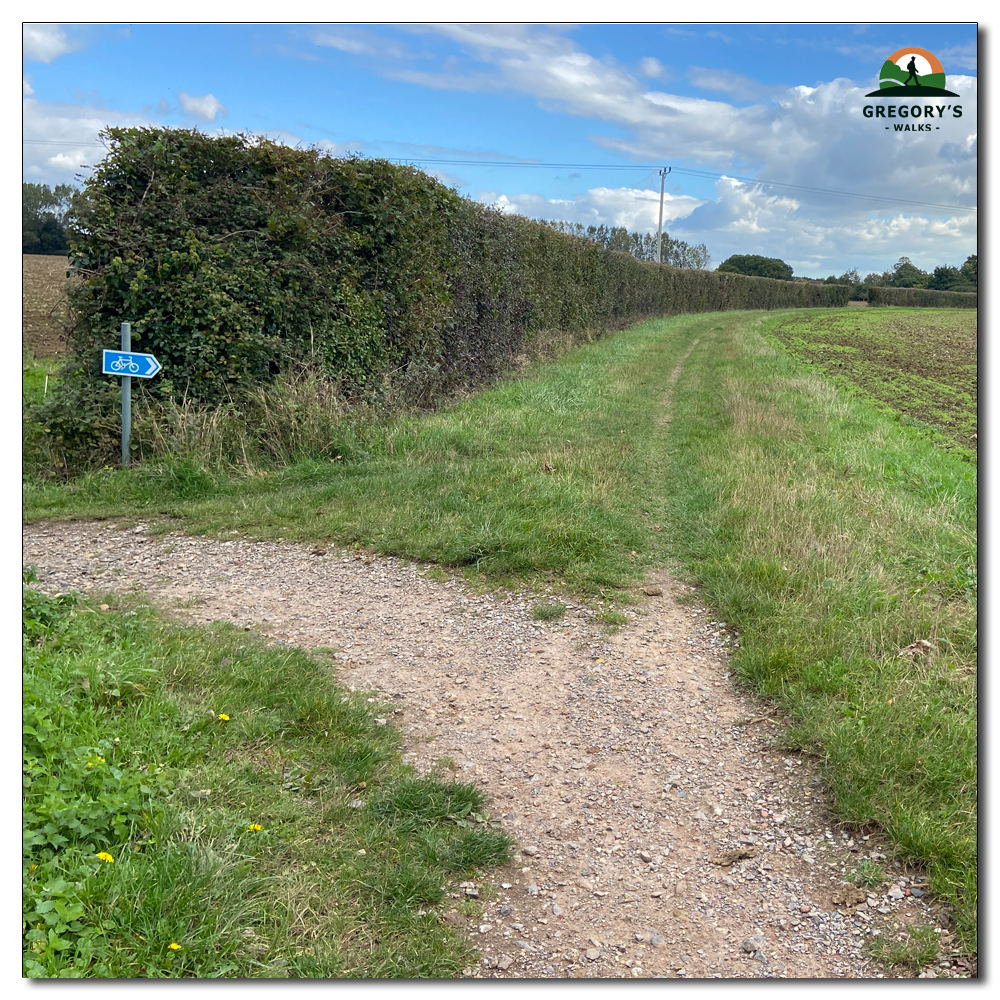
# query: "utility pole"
659,225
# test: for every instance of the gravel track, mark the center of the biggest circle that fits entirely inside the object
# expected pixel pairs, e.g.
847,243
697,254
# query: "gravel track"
626,766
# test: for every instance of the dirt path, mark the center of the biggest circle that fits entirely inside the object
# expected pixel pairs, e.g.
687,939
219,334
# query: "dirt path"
626,766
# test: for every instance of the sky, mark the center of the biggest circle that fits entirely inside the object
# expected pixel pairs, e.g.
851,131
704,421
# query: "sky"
760,124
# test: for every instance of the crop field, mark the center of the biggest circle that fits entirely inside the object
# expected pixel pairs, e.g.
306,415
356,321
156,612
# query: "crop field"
45,309
922,363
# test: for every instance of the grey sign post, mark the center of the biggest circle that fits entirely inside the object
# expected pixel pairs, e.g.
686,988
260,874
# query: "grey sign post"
125,364
126,399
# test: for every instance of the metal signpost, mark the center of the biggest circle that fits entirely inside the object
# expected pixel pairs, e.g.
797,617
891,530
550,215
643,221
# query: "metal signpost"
127,364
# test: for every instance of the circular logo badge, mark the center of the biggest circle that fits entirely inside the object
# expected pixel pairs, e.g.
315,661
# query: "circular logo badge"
912,72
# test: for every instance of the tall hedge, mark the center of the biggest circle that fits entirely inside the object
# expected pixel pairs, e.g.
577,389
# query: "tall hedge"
884,295
235,259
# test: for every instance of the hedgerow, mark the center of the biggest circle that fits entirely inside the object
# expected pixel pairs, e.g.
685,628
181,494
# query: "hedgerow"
237,260
879,295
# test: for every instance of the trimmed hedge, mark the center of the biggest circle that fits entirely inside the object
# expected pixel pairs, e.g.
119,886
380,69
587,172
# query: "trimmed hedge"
237,260
882,295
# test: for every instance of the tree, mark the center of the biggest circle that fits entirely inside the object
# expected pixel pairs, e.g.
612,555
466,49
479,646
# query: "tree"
970,270
43,215
757,266
642,246
945,278
907,275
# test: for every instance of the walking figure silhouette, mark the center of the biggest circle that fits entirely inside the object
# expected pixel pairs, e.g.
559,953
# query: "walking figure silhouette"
911,68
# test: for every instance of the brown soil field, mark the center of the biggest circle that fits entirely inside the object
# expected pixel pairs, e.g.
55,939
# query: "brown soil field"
44,308
919,363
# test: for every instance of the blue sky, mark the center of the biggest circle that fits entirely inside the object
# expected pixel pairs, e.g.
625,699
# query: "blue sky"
775,103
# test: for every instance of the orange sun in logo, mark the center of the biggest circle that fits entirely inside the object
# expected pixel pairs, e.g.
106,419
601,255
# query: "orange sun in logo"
932,60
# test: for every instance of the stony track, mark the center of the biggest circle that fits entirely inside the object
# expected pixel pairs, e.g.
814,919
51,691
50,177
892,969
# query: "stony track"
661,831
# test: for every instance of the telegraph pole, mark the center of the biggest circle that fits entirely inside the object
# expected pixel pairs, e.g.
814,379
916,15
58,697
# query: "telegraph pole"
659,225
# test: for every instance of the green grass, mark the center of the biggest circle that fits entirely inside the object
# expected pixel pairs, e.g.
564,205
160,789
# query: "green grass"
869,875
540,479
920,365
548,612
830,532
914,949
833,536
152,820
37,377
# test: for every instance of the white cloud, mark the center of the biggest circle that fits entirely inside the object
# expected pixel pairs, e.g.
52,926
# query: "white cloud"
62,138
207,107
963,56
352,45
726,82
26,89
744,218
635,209
46,42
814,136
361,42
651,67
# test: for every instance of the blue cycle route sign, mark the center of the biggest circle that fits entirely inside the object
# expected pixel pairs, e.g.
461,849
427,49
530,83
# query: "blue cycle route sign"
130,363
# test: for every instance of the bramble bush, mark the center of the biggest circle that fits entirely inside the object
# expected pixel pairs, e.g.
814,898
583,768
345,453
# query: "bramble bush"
237,261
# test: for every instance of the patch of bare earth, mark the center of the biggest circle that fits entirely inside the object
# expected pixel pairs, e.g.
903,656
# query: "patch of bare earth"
660,831
44,306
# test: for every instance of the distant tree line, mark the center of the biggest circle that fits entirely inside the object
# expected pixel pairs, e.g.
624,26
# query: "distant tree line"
43,218
905,274
642,246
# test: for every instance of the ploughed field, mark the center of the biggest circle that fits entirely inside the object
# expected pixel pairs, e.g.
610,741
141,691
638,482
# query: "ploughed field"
922,363
44,305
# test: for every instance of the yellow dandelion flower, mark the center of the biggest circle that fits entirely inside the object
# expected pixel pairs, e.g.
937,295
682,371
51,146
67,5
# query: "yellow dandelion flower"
255,827
223,716
32,868
174,946
105,857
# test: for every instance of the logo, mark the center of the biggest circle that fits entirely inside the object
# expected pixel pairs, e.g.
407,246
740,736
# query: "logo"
916,76
912,73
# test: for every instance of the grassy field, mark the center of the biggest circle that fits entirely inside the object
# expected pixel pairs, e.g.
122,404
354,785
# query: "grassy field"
921,364
837,538
201,804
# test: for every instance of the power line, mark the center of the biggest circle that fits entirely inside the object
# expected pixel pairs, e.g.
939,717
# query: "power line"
694,173
63,142
690,171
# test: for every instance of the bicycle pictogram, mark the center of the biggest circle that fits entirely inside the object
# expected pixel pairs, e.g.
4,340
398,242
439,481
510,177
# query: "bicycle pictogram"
126,363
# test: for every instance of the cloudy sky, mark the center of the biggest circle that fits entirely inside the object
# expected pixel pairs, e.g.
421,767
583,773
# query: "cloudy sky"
761,124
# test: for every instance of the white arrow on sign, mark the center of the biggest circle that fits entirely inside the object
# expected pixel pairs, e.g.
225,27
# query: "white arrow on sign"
130,363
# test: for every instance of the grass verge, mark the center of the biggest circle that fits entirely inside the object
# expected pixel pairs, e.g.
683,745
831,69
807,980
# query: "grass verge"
540,479
842,546
199,804
839,541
